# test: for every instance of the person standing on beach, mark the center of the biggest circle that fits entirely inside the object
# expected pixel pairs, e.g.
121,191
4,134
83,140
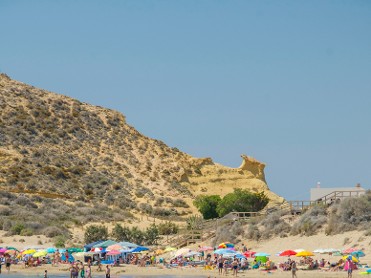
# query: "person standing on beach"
235,267
293,269
88,270
220,264
108,272
349,266
46,274
7,263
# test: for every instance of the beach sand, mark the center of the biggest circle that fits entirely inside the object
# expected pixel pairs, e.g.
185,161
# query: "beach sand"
341,241
128,270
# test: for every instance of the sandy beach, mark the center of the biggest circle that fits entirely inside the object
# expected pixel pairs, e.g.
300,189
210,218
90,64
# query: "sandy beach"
129,270
272,246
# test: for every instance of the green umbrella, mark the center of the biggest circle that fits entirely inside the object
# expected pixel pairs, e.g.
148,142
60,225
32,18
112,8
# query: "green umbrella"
11,248
74,250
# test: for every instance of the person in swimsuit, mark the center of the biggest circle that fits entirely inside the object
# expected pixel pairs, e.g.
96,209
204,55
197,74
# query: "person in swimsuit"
220,264
88,271
293,269
235,267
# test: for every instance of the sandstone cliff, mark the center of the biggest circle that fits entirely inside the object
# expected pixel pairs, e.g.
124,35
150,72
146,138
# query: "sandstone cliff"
56,146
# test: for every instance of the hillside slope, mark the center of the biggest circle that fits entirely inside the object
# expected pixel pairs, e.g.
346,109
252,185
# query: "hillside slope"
58,147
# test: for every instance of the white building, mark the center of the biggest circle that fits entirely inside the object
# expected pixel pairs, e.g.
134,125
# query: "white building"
319,192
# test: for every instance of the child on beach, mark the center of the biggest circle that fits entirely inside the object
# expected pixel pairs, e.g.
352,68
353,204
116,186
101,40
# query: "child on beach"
46,274
108,272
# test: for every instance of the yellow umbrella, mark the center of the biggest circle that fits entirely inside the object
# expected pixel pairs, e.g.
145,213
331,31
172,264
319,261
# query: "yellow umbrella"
304,254
29,251
41,253
354,259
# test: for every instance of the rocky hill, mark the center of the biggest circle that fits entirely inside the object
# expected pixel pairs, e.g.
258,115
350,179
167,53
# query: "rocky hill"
57,147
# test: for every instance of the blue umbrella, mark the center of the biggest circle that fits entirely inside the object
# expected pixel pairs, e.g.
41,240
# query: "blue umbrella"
261,254
51,250
224,251
139,249
358,253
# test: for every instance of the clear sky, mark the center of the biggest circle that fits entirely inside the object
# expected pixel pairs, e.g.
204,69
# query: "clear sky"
287,82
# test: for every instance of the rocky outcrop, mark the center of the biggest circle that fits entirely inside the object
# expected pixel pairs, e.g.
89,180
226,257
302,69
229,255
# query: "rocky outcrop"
54,144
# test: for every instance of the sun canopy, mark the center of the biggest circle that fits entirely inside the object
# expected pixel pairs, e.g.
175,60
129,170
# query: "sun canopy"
91,245
127,244
105,244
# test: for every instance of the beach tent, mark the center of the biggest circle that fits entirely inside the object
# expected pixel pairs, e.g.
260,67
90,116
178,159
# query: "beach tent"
105,244
89,246
128,245
114,247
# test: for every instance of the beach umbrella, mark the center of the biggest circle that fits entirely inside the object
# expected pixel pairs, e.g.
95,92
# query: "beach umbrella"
139,249
350,250
96,249
261,254
114,252
354,259
12,248
261,259
74,250
224,251
11,252
288,253
299,250
358,253
191,254
249,254
330,250
51,250
304,254
29,251
2,250
225,245
206,248
41,253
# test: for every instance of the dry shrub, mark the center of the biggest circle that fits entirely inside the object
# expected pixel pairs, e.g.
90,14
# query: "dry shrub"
273,225
310,222
350,214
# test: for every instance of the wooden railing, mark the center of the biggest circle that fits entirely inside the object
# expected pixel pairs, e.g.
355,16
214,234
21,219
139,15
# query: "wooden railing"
299,206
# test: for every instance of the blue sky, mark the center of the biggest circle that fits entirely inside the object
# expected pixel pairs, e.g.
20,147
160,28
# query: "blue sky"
287,82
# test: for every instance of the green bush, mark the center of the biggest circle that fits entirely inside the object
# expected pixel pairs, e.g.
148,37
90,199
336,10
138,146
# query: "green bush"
94,233
242,200
207,205
168,228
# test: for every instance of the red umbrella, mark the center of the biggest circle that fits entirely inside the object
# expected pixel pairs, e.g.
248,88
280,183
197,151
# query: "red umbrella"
249,254
288,253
